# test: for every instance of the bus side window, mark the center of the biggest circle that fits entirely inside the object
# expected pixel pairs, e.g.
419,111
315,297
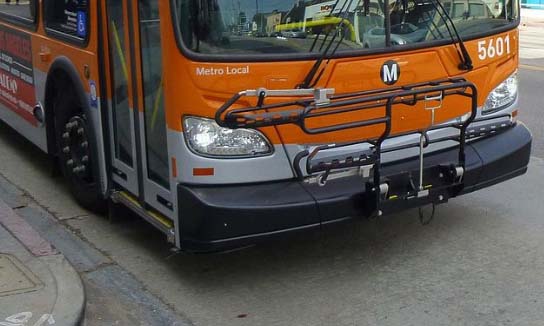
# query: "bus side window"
24,10
69,17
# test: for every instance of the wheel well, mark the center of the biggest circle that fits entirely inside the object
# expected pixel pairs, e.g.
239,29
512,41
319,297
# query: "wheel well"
57,80
64,81
65,99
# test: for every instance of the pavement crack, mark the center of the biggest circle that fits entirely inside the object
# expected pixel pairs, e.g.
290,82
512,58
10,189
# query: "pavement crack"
99,267
76,217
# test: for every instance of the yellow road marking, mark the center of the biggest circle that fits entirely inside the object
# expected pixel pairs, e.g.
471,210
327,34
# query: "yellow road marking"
536,68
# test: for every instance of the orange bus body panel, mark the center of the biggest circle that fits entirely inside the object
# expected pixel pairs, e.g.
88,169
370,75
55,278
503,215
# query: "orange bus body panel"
189,93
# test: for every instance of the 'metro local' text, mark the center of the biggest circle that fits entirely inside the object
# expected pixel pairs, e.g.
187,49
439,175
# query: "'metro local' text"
202,71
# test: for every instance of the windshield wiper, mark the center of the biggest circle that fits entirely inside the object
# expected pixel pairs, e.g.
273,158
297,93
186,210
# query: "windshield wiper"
315,74
466,60
311,80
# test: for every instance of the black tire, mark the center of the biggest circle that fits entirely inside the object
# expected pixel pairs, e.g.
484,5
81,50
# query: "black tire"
76,151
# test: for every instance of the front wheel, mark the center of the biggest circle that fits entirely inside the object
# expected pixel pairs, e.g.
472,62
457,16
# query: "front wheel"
77,157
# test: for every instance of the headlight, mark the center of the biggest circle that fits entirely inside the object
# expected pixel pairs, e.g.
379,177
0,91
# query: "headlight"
206,137
503,95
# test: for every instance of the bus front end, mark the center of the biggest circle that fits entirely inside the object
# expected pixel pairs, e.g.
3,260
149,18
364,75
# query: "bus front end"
295,115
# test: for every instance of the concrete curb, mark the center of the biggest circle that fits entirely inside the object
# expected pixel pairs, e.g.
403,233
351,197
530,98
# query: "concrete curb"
70,305
58,293
112,296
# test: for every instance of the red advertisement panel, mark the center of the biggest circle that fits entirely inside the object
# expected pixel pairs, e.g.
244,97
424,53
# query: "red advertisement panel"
17,91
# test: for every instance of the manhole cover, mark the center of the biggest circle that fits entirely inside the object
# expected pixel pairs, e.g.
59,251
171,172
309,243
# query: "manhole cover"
15,278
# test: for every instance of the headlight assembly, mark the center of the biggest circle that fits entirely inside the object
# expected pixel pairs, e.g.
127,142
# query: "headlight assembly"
206,137
503,95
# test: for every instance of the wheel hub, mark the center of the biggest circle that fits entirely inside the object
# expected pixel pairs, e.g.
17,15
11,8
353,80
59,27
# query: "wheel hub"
75,149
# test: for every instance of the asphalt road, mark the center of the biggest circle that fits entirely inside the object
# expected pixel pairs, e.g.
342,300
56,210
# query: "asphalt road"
531,74
479,263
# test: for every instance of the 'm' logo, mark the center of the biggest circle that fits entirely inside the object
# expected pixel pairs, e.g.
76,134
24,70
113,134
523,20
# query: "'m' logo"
390,73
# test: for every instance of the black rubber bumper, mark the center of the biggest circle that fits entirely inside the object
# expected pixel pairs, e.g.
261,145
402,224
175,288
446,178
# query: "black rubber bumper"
225,217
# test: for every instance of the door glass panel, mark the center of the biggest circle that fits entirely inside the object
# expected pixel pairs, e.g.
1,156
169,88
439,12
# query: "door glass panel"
122,130
155,123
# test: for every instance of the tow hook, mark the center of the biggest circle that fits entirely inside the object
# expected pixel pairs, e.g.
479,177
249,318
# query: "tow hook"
322,178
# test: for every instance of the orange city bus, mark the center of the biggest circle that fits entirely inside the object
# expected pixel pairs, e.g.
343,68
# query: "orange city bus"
224,123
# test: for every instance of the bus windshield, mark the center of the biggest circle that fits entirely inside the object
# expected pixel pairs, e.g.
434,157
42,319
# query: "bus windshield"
262,27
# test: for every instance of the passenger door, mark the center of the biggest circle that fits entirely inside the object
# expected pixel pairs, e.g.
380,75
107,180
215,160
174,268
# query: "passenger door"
137,116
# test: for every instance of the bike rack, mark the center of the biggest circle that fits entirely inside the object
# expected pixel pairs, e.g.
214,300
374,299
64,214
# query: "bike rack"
321,102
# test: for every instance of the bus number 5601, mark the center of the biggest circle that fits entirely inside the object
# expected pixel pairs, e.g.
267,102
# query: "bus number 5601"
493,47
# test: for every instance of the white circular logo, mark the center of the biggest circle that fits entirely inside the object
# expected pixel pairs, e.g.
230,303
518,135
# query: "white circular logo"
390,72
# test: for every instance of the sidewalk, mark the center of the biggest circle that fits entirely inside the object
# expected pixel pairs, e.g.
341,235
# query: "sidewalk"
38,286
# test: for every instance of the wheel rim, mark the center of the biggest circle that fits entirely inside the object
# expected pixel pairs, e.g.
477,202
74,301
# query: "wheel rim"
75,149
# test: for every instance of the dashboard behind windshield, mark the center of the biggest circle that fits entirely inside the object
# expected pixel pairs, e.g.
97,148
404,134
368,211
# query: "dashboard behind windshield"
268,27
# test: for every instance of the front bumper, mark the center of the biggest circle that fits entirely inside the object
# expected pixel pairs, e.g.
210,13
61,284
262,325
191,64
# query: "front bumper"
214,218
